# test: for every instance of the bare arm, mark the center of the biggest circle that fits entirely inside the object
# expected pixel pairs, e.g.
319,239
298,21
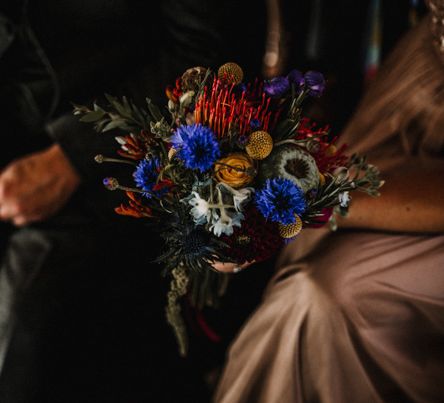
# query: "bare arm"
412,200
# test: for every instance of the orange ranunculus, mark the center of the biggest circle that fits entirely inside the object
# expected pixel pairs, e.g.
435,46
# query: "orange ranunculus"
236,170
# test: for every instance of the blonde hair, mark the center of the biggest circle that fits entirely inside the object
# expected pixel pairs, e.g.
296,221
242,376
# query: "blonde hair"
406,99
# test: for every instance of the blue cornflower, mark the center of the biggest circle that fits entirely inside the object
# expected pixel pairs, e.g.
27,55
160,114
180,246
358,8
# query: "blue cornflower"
196,146
255,124
280,199
145,177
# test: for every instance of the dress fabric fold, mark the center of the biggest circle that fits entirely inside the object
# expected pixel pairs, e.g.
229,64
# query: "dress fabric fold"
358,316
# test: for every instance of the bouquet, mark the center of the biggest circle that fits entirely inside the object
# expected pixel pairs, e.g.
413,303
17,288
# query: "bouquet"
228,172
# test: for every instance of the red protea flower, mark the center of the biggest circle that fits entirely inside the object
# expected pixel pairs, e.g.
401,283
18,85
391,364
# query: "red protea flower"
327,156
257,239
308,129
223,107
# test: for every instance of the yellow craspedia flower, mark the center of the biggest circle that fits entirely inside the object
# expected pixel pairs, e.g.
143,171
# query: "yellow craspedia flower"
259,145
321,179
291,230
236,170
230,72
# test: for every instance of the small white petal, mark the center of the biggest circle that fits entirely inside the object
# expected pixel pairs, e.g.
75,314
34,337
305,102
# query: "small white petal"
344,199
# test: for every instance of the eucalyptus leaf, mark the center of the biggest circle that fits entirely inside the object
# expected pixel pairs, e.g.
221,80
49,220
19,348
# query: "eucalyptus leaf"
116,124
92,116
154,110
120,107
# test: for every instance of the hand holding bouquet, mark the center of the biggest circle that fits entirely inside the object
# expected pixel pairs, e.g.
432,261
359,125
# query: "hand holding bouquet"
229,172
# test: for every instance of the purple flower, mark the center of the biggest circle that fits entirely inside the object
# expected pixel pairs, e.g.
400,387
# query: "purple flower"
297,78
315,83
276,87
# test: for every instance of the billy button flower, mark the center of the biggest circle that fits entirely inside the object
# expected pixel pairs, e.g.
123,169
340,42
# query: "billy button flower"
260,145
236,170
230,73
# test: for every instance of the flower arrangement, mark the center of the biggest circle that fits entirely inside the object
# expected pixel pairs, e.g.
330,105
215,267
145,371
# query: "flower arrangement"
231,170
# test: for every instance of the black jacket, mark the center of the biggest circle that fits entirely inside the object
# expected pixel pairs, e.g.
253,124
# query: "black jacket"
57,52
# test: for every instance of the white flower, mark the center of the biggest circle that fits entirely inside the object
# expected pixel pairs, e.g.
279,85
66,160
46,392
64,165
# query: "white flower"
224,224
201,209
222,217
344,199
240,196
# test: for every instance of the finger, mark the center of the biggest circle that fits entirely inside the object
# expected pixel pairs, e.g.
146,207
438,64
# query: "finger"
241,267
231,267
224,267
8,202
17,212
20,221
12,207
6,213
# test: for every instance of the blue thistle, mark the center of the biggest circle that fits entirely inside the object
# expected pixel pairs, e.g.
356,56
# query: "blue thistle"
279,200
145,176
196,146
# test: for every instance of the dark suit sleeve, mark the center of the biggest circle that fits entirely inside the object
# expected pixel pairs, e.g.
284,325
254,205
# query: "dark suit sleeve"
160,45
28,91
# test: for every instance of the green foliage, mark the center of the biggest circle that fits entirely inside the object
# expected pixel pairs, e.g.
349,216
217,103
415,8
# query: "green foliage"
119,114
358,175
